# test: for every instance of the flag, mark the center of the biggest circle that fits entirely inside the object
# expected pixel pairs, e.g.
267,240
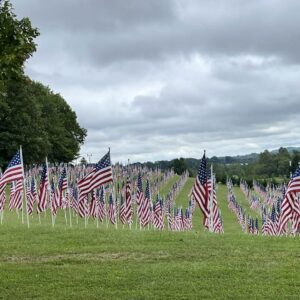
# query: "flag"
102,208
83,209
44,182
289,208
214,211
29,199
158,221
128,202
14,170
74,199
270,226
2,197
62,185
93,206
139,197
200,190
146,206
111,210
99,175
122,211
16,199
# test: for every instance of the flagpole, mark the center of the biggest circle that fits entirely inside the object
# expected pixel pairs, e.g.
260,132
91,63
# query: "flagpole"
85,212
116,201
48,187
105,207
24,191
211,200
49,193
69,204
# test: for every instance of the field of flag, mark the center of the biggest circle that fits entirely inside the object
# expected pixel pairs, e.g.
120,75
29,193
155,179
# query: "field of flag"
128,232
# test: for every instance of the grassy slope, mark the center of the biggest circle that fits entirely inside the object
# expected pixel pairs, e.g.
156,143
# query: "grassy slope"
78,263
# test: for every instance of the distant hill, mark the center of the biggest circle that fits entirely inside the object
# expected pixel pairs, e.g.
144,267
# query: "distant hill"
290,149
233,163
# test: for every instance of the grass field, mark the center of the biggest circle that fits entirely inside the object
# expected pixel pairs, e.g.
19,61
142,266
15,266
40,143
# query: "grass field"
105,263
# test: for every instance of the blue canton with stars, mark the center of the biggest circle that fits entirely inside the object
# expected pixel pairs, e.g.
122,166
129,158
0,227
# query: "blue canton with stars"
16,160
103,162
139,183
44,173
297,172
202,173
147,191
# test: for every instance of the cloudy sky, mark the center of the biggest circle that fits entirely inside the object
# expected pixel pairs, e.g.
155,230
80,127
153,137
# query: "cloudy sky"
162,79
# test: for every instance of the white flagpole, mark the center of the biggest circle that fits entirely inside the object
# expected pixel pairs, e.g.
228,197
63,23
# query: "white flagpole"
70,214
211,199
85,211
24,191
116,206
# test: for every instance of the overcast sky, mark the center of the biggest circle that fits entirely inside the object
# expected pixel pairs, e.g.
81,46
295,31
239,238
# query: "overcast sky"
162,79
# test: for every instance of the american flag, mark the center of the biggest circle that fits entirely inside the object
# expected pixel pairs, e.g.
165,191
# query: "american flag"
29,199
146,205
169,218
74,199
99,175
214,210
93,206
11,195
62,185
16,199
128,202
139,197
188,219
158,215
270,225
2,197
14,170
102,208
111,210
83,209
296,216
122,211
33,190
289,208
200,190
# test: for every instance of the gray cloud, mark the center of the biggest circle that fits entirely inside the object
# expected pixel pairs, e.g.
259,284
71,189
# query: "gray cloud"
160,79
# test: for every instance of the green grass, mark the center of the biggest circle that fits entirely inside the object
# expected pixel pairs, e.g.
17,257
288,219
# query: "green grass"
78,263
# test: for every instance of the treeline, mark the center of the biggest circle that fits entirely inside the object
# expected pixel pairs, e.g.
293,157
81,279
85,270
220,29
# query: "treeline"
31,114
266,167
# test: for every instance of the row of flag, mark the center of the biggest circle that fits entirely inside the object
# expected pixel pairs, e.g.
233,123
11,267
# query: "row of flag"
280,208
91,192
248,223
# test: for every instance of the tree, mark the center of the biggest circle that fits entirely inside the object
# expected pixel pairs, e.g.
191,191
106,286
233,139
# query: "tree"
39,120
16,42
179,165
83,161
295,161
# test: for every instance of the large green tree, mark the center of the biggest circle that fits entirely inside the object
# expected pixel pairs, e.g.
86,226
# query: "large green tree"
16,42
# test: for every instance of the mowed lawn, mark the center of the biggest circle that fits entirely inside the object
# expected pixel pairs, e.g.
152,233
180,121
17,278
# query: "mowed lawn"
105,263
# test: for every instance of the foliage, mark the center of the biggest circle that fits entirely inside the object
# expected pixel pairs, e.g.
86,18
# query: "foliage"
39,120
16,42
178,165
267,166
